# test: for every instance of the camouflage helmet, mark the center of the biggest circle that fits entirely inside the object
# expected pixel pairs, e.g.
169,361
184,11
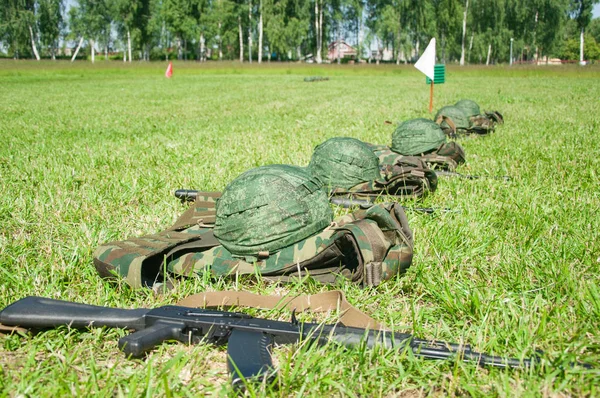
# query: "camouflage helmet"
470,108
268,208
417,136
457,115
344,162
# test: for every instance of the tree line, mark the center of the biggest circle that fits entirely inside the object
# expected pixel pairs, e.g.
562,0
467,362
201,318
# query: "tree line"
468,31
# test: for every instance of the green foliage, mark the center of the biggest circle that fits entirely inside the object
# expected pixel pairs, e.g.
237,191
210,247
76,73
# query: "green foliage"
51,24
570,49
594,29
582,12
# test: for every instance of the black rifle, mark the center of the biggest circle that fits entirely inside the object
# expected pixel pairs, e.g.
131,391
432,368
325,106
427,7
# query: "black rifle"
189,195
249,339
365,204
470,177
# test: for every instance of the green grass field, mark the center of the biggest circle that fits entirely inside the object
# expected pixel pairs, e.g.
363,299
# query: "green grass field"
90,154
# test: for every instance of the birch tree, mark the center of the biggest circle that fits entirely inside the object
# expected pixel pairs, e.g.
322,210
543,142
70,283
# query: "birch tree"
180,22
51,24
319,5
464,33
582,11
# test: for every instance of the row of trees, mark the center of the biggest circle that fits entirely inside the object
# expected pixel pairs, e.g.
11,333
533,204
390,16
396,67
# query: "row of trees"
467,30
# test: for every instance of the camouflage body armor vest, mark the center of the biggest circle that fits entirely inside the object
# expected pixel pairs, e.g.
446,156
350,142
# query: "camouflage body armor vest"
445,157
367,247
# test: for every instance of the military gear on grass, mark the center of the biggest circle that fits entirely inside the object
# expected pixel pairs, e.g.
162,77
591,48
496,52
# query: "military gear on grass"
417,136
483,122
366,247
452,120
312,79
349,168
439,158
399,176
445,156
343,162
271,207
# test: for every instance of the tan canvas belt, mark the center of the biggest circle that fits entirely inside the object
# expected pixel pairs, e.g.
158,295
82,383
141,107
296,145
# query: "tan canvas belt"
321,302
11,329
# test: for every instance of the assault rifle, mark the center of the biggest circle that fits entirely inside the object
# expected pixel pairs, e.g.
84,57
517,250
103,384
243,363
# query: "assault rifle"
365,204
189,195
249,339
470,177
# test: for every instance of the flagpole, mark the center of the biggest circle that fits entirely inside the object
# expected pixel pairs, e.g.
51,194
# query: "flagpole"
431,97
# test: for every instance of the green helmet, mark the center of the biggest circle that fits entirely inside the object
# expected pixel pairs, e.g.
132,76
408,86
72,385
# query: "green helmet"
457,115
344,162
470,108
270,207
417,136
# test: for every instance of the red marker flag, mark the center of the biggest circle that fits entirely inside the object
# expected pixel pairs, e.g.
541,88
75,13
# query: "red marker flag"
169,71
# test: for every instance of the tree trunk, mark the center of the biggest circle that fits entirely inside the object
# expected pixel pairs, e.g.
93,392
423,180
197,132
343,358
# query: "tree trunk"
129,44
92,50
535,36
464,32
202,49
339,44
37,56
319,18
179,52
317,53
260,32
124,55
220,42
470,48
106,52
250,31
398,43
580,47
320,32
359,50
77,49
487,61
241,39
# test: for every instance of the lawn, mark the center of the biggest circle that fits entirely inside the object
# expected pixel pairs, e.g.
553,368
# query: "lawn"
90,154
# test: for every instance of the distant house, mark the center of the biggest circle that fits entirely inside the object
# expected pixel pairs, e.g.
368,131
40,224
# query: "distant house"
346,50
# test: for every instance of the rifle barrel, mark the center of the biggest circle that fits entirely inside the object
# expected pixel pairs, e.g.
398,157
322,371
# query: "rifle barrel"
188,195
469,176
